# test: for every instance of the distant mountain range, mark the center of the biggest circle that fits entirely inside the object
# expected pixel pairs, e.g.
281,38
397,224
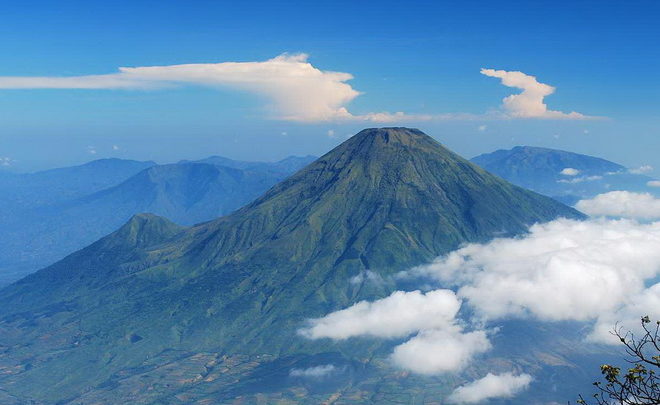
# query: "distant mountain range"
566,176
47,215
159,313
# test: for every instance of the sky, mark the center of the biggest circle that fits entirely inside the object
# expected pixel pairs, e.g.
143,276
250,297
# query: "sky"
265,80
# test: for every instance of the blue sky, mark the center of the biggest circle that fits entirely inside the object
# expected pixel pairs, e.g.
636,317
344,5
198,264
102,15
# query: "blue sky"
421,58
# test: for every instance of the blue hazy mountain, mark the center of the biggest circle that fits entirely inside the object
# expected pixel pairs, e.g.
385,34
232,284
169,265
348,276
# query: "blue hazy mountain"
51,186
72,207
158,313
548,171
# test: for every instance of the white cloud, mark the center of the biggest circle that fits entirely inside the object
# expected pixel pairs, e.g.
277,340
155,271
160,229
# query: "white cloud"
331,133
641,170
440,350
529,103
622,204
115,147
6,161
580,179
504,385
296,90
367,276
482,128
313,372
569,171
653,183
588,270
91,150
441,345
398,315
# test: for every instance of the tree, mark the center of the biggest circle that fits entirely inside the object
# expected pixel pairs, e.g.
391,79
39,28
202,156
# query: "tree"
640,385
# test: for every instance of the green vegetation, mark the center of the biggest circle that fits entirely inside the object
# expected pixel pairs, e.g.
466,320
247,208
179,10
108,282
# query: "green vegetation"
236,289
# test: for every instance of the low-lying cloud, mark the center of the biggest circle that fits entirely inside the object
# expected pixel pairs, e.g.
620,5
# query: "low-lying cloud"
622,204
440,344
491,386
398,315
438,351
589,270
314,372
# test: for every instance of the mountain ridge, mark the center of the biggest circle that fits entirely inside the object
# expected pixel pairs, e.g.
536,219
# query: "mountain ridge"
242,285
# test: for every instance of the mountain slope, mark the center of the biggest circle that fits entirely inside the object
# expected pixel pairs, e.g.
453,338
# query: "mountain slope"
241,285
184,193
540,169
286,165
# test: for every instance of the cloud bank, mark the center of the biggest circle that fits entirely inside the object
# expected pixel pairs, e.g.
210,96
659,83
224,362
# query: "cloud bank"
530,103
622,204
295,90
590,270
491,386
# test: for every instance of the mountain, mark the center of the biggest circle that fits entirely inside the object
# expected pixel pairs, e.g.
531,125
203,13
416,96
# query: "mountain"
185,193
28,190
153,313
286,165
540,169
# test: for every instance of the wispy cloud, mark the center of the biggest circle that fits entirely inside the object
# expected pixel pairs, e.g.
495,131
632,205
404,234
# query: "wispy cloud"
314,372
296,90
491,386
531,102
641,170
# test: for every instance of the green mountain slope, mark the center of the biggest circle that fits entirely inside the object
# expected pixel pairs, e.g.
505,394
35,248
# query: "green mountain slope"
186,193
231,293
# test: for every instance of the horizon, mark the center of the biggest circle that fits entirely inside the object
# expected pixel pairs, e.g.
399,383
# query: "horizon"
64,101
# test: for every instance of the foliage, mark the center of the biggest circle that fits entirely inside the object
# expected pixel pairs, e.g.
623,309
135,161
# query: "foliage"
640,385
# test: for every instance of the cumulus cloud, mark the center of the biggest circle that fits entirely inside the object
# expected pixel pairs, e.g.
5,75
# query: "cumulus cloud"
653,183
569,171
313,372
622,204
440,350
482,128
641,170
440,344
398,315
530,103
6,161
588,270
491,386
